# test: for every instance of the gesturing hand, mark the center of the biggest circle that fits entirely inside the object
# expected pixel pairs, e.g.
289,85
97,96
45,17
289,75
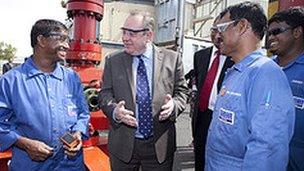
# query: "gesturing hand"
167,108
37,150
124,115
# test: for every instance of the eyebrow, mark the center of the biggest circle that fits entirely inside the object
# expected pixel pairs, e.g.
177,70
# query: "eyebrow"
135,31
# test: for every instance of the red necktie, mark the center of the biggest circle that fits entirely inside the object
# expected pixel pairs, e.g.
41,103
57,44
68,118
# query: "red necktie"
209,80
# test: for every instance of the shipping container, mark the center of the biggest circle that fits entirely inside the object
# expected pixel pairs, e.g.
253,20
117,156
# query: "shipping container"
169,22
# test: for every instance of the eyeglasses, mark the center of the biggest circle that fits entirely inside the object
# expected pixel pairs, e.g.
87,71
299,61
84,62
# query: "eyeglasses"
58,36
213,28
131,32
223,26
277,31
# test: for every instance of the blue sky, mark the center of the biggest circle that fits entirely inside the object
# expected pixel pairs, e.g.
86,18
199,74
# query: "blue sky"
18,16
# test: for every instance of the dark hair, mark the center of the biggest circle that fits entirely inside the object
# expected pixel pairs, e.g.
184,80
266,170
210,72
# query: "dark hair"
252,12
294,17
45,27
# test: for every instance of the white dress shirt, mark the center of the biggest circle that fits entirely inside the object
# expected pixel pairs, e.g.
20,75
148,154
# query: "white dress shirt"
214,90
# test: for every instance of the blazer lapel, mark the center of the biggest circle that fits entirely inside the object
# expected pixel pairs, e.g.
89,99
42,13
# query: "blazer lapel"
128,60
158,58
206,61
203,63
157,67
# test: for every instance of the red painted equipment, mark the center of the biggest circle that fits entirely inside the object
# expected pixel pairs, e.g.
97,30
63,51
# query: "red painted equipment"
84,57
4,159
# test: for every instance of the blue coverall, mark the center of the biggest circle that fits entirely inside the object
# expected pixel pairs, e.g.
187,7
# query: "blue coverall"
41,106
253,119
295,75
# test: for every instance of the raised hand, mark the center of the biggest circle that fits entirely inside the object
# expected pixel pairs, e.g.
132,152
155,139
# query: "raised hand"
124,115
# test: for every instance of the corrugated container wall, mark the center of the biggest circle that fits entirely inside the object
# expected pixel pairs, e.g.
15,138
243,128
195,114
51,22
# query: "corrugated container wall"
168,14
114,17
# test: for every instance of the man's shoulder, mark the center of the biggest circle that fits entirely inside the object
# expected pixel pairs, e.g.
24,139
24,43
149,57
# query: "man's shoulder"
264,62
166,53
15,72
164,50
203,53
67,69
204,50
13,76
69,72
263,65
116,55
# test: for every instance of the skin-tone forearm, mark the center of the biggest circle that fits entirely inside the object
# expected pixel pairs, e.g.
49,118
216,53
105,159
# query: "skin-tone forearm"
37,150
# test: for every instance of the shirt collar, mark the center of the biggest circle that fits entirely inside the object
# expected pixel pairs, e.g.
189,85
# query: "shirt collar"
299,59
214,49
32,69
248,60
149,51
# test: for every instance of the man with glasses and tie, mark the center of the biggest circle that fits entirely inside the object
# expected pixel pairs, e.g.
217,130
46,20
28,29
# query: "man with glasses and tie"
286,41
209,71
253,117
40,101
143,91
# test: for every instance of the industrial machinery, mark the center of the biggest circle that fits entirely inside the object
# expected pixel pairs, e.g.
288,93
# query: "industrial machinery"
84,57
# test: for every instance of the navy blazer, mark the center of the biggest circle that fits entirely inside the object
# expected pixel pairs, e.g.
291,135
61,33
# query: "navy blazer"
201,65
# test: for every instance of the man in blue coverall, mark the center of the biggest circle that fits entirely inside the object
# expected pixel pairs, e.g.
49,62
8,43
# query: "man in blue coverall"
40,100
286,41
253,119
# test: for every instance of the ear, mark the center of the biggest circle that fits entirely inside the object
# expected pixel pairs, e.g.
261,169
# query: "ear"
298,32
244,25
150,35
41,41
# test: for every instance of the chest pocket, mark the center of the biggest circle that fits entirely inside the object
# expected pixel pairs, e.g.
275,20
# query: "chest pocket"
297,87
228,114
71,111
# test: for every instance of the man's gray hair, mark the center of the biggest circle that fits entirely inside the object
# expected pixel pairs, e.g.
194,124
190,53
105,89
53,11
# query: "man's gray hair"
148,20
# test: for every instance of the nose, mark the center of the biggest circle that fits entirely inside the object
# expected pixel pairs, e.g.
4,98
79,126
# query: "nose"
125,36
66,45
217,35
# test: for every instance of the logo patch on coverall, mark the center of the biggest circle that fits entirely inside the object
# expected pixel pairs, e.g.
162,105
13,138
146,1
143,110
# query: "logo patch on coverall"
226,116
299,102
72,110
